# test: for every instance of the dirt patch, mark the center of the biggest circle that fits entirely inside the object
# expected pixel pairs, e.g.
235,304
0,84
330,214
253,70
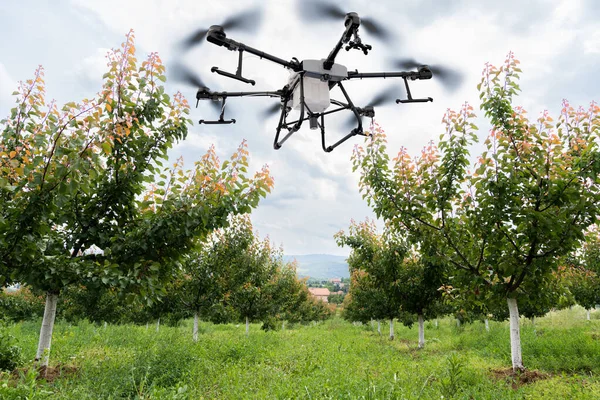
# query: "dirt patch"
49,374
518,378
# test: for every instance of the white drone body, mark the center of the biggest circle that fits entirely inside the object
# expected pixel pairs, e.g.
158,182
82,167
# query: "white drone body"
316,84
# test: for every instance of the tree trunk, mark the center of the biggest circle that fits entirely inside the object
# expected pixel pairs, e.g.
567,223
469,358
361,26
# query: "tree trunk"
43,351
392,329
436,323
157,325
515,336
487,325
282,326
588,314
421,332
457,323
247,326
379,326
195,330
105,324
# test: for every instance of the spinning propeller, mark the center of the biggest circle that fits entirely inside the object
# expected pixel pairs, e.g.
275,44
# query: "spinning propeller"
449,77
182,74
246,21
387,96
312,11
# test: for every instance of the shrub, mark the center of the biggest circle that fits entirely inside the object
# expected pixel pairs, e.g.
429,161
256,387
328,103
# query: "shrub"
10,353
21,305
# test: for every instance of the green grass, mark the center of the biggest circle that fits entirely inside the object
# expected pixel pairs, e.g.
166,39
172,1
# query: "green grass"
330,360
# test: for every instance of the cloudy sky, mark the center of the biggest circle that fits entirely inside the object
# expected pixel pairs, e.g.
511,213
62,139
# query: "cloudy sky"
316,193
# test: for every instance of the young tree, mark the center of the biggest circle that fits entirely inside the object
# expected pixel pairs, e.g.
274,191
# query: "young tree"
584,272
380,257
397,274
209,270
303,307
364,301
252,272
421,277
504,226
282,292
83,195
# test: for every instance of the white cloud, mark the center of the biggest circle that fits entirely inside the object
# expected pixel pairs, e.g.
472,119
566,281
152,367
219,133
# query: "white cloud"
7,86
591,43
91,68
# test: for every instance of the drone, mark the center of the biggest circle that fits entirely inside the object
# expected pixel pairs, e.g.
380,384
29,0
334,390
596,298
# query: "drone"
308,89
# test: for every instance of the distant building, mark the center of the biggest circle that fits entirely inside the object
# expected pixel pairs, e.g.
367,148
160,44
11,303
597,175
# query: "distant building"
335,280
320,293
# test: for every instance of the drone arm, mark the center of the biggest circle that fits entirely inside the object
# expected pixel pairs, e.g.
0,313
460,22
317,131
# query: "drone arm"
363,75
294,66
220,39
328,63
423,73
352,23
207,95
350,29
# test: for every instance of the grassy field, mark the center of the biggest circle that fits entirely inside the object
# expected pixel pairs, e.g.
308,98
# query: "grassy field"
330,360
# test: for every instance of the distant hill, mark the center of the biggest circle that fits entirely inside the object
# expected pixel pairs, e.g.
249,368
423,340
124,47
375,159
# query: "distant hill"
321,266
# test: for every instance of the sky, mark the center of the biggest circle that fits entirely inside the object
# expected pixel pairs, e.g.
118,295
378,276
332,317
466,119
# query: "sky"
316,193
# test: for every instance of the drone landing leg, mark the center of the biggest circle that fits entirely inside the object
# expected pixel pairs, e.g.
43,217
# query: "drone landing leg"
356,131
221,119
277,144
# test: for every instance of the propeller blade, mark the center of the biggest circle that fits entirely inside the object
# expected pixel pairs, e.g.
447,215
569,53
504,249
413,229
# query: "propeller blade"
407,63
388,95
246,21
450,78
350,123
375,29
216,105
272,110
315,10
384,97
181,73
195,38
